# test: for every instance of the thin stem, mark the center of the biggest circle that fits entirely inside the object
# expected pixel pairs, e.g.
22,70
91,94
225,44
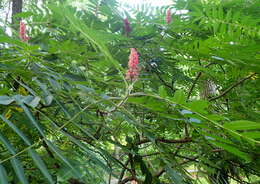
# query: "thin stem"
194,84
123,171
185,140
232,87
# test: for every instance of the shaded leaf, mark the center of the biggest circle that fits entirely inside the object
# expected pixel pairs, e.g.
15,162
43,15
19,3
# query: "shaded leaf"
40,164
62,157
3,175
15,163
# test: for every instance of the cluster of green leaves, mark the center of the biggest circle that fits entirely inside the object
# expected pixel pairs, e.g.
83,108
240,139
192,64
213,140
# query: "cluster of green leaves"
68,114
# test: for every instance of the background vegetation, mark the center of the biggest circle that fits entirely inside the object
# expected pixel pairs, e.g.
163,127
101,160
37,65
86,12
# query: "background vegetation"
68,115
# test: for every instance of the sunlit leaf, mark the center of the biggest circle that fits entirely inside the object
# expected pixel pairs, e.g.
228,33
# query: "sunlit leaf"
242,125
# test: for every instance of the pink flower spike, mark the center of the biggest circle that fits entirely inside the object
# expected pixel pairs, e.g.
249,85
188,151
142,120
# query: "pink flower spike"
127,26
132,74
133,69
168,16
133,59
22,33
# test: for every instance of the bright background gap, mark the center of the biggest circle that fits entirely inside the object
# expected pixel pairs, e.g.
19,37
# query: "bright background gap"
152,2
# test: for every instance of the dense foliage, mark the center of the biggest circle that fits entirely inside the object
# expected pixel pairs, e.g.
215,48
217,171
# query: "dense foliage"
68,114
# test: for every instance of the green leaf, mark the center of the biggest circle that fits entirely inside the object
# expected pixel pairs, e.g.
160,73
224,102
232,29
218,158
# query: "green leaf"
23,14
7,39
3,175
179,97
215,137
62,106
38,161
31,117
242,125
252,135
198,106
6,100
85,131
15,163
175,176
162,92
215,117
85,89
47,96
233,150
11,125
32,101
88,152
19,170
40,164
149,102
64,159
91,35
23,45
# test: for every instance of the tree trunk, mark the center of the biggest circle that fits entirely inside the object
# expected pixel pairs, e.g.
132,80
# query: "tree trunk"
17,6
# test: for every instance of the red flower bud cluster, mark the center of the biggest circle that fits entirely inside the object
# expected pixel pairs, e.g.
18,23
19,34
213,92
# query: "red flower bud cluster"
22,33
133,69
127,26
168,16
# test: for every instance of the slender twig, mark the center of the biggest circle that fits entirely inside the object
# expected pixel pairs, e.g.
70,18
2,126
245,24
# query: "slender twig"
159,173
36,168
238,180
131,161
231,87
119,104
110,173
196,80
185,140
186,130
163,170
109,179
122,164
194,84
24,150
122,102
190,92
131,178
164,83
123,171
